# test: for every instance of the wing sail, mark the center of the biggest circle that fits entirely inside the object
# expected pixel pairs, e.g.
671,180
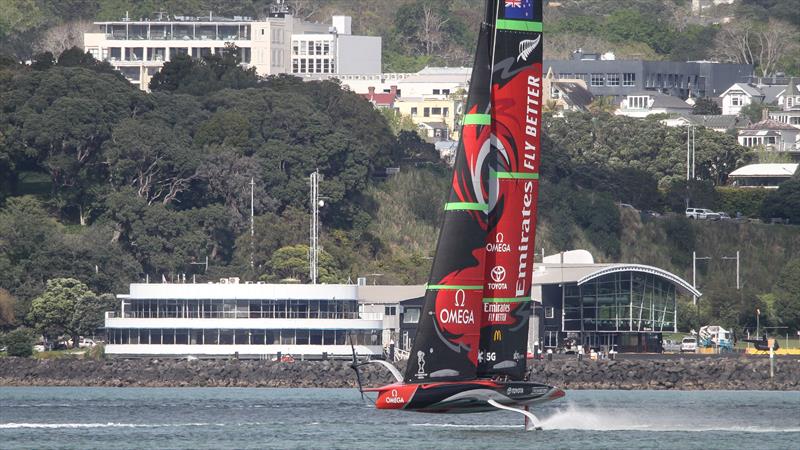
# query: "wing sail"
514,187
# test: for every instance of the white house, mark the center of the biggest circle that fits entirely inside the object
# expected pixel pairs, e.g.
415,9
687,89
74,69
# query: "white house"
740,95
770,135
645,103
789,103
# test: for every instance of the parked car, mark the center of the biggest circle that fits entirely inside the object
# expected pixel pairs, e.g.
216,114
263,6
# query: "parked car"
626,206
701,214
724,216
670,346
689,344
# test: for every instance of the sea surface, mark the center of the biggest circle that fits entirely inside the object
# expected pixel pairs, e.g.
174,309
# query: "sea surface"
109,418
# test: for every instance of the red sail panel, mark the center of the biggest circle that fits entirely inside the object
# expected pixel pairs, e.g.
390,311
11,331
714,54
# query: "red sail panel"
448,334
514,187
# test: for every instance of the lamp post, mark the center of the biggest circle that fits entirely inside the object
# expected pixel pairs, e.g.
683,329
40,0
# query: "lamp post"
694,273
737,266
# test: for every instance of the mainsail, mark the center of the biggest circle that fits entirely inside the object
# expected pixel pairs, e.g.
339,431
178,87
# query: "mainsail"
474,321
513,186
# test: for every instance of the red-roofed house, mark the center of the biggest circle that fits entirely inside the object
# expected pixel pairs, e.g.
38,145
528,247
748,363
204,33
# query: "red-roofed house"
381,99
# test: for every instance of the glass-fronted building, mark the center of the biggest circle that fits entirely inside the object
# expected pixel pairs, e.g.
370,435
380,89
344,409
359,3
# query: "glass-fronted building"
621,306
251,320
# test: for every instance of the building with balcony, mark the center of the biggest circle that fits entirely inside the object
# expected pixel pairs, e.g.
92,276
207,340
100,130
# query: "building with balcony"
278,43
248,320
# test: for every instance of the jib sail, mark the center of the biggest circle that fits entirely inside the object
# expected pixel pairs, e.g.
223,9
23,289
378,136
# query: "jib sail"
513,185
446,345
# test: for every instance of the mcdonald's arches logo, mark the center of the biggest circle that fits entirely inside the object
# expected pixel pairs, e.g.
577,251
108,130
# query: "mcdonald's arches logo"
497,336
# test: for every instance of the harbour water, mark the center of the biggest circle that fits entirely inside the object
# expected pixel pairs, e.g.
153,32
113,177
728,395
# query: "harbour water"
336,418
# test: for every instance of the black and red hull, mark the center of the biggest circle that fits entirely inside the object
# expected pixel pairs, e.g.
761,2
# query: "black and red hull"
463,396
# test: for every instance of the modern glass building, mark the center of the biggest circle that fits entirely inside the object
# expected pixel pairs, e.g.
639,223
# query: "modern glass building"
251,320
622,306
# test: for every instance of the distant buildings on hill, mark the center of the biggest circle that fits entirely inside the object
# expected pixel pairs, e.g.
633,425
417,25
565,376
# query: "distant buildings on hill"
279,43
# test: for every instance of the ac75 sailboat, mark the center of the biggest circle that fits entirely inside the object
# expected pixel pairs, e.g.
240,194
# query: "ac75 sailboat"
469,354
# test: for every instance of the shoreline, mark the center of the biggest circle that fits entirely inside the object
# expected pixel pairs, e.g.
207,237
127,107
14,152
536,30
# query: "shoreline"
732,373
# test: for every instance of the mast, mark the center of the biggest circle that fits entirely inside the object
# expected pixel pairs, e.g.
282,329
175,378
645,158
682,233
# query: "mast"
446,345
514,186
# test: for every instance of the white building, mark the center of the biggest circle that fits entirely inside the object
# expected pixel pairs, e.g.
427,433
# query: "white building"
762,175
769,134
645,103
251,320
276,44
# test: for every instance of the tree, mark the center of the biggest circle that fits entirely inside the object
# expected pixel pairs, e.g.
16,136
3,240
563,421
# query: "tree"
758,43
67,306
602,105
7,302
787,296
706,106
784,202
18,342
753,111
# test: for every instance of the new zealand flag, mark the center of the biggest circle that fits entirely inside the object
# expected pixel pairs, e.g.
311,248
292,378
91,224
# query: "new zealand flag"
519,9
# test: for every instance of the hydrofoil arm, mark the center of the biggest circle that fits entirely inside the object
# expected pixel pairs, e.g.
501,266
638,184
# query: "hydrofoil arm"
531,422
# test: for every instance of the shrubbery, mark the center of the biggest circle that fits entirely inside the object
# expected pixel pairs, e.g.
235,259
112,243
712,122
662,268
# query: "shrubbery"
19,342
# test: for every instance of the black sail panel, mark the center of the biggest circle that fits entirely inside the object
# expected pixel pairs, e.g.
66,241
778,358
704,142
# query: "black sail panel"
446,345
514,185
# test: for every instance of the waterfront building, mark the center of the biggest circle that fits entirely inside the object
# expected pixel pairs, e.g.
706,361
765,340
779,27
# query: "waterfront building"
278,43
606,75
249,320
622,306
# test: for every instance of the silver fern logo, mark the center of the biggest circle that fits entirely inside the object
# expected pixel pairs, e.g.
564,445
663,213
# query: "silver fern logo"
527,46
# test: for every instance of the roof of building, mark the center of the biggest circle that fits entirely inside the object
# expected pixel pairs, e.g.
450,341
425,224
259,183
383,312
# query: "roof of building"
381,98
720,121
765,170
435,125
582,273
759,133
769,93
770,124
574,94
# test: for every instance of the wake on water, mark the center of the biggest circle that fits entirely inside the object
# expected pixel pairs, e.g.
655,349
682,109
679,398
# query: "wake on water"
573,416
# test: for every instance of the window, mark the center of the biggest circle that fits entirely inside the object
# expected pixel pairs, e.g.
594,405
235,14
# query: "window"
426,112
638,102
612,79
629,79
411,315
548,312
436,92
445,91
390,310
413,112
736,100
436,111
445,112
597,79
